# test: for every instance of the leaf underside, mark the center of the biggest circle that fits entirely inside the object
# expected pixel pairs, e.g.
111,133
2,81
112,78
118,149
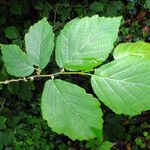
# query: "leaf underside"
40,43
16,61
85,43
124,85
139,48
68,109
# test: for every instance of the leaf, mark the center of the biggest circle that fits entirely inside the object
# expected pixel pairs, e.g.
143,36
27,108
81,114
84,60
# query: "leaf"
147,4
123,85
86,38
3,123
106,146
140,48
38,5
15,9
16,61
11,32
68,109
138,141
7,137
96,7
40,43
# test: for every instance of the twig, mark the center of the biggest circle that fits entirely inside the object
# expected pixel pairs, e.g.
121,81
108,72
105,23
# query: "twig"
31,78
55,13
12,80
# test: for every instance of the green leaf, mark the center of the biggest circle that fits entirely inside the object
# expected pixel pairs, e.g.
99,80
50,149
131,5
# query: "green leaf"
85,43
3,122
16,61
147,4
106,146
68,109
38,5
15,9
11,32
44,13
138,141
7,137
124,85
140,49
96,7
1,87
40,43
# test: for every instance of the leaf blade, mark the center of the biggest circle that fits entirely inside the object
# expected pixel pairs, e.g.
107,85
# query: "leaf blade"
140,48
76,115
123,85
40,43
16,61
86,38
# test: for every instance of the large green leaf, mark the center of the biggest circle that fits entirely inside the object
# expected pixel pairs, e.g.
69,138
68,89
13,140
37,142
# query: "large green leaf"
140,48
68,109
40,43
16,61
124,85
85,43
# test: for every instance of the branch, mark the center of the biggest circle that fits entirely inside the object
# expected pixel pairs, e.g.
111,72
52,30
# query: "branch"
31,78
55,13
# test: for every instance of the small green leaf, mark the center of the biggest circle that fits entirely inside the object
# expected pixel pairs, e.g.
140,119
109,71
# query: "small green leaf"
7,137
40,43
44,13
147,4
123,85
96,7
15,8
138,141
16,61
145,134
106,146
11,32
38,5
68,109
86,38
140,49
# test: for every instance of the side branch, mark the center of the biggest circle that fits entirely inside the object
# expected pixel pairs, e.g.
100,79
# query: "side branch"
31,78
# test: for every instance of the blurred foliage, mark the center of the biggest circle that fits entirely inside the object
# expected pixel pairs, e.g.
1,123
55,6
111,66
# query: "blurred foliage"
21,123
